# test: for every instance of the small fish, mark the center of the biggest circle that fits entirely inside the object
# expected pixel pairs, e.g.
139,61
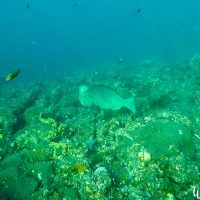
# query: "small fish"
104,97
12,75
138,11
28,5
75,5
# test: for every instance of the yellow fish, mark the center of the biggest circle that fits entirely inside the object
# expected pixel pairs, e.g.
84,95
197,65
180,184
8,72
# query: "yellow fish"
12,75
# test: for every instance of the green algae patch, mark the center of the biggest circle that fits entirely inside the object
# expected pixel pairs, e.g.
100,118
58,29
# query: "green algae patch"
31,114
69,193
16,160
14,184
8,174
41,171
165,138
18,188
39,153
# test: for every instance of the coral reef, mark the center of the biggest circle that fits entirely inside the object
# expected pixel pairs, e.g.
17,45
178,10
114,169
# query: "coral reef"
54,148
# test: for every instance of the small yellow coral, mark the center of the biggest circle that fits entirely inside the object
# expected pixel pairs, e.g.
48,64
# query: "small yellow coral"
79,167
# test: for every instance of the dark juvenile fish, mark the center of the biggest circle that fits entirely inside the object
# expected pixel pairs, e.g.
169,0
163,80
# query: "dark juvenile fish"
12,75
75,5
28,5
138,11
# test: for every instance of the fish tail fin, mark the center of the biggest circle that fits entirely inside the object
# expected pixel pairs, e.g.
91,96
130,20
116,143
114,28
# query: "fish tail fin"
130,104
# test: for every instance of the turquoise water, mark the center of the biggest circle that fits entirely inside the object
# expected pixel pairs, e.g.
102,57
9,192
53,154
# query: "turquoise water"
132,133
60,36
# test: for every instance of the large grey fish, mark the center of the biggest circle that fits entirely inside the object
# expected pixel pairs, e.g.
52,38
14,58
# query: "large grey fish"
104,97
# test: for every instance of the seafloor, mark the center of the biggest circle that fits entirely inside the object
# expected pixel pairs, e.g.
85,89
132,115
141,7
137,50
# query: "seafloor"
53,148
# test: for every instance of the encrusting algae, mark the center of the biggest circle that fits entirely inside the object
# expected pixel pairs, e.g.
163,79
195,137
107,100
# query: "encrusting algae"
47,120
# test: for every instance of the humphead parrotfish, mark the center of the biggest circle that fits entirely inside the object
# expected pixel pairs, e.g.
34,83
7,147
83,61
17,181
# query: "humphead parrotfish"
104,97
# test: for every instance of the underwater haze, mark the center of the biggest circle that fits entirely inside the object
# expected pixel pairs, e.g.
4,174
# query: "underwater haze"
48,37
99,100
